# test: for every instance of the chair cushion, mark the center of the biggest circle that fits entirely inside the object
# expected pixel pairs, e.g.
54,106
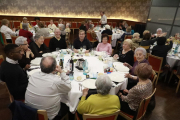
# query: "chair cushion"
127,114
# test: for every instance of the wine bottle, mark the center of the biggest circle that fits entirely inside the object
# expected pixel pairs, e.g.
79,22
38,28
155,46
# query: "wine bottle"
71,63
61,63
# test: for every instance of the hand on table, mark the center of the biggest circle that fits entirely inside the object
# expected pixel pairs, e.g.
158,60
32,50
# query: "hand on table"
58,69
14,29
40,51
87,51
127,75
116,56
125,91
120,94
126,64
27,67
76,51
85,92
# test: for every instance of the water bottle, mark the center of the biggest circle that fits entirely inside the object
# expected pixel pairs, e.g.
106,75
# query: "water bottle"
61,56
176,49
85,67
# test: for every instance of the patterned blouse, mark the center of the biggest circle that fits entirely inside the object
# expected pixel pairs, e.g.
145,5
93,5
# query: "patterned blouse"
137,94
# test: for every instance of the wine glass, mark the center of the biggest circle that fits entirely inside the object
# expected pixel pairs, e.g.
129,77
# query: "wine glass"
84,47
57,49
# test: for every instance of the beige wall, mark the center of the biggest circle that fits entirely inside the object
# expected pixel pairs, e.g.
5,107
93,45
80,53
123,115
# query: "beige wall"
135,10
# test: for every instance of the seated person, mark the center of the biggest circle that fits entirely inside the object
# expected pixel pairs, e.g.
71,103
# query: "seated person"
158,33
107,30
42,30
88,24
91,31
97,103
52,26
57,41
68,31
7,31
125,25
25,33
146,31
38,47
45,89
27,54
104,46
130,102
37,20
61,25
128,32
126,54
140,54
136,40
25,21
175,39
120,27
82,41
83,26
161,50
12,74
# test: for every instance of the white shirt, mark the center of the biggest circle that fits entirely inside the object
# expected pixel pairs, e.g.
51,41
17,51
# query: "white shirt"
103,19
11,61
44,92
7,32
52,27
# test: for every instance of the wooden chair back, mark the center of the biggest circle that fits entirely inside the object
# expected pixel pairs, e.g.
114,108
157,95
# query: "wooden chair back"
145,47
101,117
155,62
74,25
42,115
33,23
47,23
79,24
56,23
128,37
153,77
90,38
14,39
1,59
47,40
16,24
114,24
110,39
110,23
95,24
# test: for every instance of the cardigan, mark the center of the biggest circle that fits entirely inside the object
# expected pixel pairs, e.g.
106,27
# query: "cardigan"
27,34
78,44
24,61
127,57
35,49
104,47
107,31
54,43
7,31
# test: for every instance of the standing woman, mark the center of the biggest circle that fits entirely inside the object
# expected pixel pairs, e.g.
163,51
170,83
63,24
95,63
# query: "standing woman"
38,47
25,21
7,31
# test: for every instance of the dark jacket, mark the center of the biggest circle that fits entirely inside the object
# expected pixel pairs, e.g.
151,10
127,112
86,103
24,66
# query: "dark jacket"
54,43
126,33
78,44
107,31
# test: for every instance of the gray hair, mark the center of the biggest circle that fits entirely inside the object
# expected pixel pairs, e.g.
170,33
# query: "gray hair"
20,40
136,34
24,25
91,26
37,36
159,29
57,29
48,68
103,84
141,49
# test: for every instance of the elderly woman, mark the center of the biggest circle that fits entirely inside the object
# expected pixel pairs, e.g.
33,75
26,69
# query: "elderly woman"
61,25
25,21
104,46
38,47
140,54
25,33
107,30
57,41
88,24
96,104
7,31
91,31
136,40
161,50
42,30
130,102
126,54
67,30
176,39
52,26
27,54
128,32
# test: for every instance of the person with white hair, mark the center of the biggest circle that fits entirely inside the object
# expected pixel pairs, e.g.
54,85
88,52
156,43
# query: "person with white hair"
140,54
136,40
25,21
52,26
57,41
126,54
107,30
38,47
25,33
67,30
27,53
96,104
158,32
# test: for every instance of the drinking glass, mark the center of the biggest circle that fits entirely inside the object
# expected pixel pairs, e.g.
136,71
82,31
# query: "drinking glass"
57,49
84,47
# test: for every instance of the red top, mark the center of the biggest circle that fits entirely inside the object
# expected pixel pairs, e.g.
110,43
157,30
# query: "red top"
26,33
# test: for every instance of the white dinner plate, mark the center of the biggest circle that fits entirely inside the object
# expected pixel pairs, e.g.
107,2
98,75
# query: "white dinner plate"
117,76
36,61
89,83
120,67
82,76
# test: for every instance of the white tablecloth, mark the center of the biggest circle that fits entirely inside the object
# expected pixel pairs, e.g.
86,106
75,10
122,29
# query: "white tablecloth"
72,99
173,61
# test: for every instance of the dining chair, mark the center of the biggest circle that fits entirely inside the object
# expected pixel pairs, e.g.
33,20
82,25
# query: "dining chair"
110,23
153,77
47,40
112,116
14,39
174,72
90,38
56,23
145,47
110,39
141,110
4,38
114,24
73,26
33,23
156,63
47,23
1,59
79,24
16,24
95,24
128,37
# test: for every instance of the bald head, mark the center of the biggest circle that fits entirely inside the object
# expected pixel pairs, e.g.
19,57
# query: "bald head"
48,64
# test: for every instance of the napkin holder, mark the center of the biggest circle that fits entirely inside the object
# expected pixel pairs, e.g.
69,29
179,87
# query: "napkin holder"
79,64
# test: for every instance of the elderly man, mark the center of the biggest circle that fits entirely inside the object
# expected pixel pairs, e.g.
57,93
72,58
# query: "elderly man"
12,73
82,41
107,30
25,33
101,103
25,21
103,20
52,26
45,89
57,41
27,54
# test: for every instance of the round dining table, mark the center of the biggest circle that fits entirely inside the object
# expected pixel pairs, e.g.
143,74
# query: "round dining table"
95,66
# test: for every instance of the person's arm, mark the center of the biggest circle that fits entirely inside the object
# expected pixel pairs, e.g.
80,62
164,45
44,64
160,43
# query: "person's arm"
20,26
9,31
129,58
153,40
35,50
170,46
88,45
97,48
30,35
30,26
131,96
46,49
64,44
105,20
109,49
